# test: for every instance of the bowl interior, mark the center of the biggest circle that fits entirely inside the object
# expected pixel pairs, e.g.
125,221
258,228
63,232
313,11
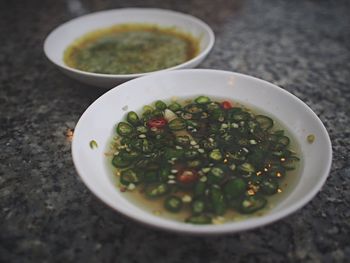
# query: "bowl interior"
99,120
64,35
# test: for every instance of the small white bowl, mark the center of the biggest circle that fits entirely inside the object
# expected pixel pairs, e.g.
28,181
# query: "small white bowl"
63,36
99,120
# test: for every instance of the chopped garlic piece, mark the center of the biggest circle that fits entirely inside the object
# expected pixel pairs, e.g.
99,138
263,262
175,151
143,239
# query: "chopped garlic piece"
169,115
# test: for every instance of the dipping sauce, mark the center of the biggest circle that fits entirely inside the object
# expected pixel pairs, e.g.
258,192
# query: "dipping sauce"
203,160
131,49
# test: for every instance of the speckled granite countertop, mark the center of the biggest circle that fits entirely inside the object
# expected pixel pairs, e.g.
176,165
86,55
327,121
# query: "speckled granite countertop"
48,215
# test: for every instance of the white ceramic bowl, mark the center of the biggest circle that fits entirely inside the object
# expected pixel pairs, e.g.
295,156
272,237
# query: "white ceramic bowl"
60,38
99,120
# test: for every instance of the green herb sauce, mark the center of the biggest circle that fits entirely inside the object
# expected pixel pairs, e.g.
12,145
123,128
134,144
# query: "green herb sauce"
131,48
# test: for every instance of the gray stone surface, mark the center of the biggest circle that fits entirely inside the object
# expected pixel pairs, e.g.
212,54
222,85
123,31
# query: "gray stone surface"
48,215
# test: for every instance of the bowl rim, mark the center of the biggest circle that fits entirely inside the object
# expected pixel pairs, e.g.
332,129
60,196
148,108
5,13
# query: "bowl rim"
230,227
185,64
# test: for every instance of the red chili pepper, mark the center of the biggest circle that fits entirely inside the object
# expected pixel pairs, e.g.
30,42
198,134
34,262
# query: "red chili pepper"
226,105
187,177
157,123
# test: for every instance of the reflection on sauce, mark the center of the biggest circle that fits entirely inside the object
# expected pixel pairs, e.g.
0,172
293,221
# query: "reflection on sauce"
130,49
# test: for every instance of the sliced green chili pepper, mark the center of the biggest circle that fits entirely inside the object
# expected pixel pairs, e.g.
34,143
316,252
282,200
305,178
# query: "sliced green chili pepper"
119,162
93,144
214,128
150,176
131,155
218,201
157,113
247,167
215,155
147,109
174,106
160,105
194,110
124,129
200,188
264,122
213,106
183,140
235,188
209,144
217,115
269,187
177,124
252,203
142,129
198,207
191,154
129,177
171,153
239,156
147,146
194,163
284,140
216,175
289,163
202,100
257,157
199,220
132,118
164,172
157,190
191,123
240,116
173,204
136,144
279,132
